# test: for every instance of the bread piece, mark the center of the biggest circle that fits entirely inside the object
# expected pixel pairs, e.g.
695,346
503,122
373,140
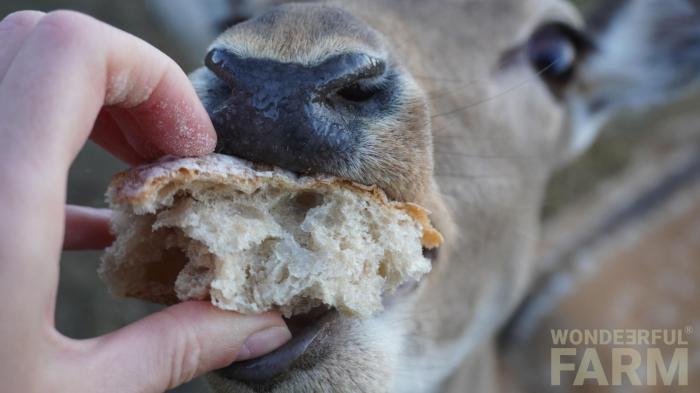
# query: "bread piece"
255,240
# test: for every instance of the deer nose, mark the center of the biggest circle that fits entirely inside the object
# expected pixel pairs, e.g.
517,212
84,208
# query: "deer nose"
303,118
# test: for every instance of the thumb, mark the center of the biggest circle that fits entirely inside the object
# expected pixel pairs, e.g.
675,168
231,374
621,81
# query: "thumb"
173,346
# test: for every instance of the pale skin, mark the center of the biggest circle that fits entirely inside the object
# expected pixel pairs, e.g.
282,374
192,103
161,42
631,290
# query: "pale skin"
66,78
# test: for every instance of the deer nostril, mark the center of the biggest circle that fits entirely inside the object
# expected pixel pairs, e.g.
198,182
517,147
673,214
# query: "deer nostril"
219,62
358,92
355,78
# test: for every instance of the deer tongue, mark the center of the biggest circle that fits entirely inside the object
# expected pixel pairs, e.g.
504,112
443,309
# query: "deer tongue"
280,360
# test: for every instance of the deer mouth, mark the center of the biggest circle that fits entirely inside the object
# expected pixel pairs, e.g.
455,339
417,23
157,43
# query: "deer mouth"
306,329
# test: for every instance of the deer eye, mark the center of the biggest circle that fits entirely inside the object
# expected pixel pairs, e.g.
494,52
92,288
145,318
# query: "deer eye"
554,51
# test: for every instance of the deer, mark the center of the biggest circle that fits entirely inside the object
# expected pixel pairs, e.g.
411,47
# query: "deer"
466,107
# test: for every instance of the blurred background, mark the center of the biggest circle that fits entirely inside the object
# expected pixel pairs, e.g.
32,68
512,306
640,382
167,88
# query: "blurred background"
637,149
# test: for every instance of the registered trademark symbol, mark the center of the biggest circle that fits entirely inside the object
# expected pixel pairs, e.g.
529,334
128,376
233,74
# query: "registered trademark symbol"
689,330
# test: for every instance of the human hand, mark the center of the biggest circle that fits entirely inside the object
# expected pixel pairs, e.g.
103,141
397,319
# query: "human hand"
65,77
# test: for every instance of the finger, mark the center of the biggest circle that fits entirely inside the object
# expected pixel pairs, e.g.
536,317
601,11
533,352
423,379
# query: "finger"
108,134
173,346
71,65
87,228
68,68
14,29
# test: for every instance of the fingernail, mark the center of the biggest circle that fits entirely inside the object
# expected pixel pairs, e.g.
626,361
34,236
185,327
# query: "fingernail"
263,342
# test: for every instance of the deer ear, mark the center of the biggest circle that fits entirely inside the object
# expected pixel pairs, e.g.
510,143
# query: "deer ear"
646,53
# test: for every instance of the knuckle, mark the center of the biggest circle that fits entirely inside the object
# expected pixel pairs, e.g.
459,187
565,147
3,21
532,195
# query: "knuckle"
20,20
186,352
65,26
